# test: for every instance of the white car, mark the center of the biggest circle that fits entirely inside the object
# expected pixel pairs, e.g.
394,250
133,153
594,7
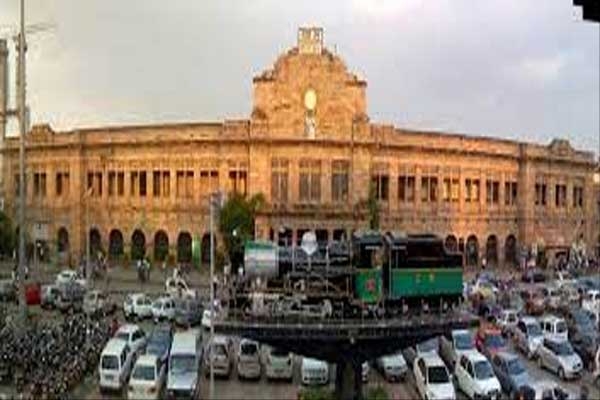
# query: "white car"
279,364
475,377
455,344
67,276
314,372
137,306
528,336
134,336
558,356
163,308
591,302
147,379
432,378
365,371
248,359
552,295
548,390
554,327
115,365
178,287
507,321
393,367
220,349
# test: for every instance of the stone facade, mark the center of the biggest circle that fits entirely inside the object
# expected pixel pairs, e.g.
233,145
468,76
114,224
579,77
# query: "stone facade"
311,149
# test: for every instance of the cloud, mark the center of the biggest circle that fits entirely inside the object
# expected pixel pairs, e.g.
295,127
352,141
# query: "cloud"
544,70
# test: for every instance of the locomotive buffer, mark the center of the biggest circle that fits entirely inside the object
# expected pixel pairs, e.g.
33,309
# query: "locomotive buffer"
346,343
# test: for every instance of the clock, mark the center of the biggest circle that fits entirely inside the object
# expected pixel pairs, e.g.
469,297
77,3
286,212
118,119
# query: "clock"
310,100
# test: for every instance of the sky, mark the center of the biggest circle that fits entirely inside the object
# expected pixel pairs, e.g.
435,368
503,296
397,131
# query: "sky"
518,69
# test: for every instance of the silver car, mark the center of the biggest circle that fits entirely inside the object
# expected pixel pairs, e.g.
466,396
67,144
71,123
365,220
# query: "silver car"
559,357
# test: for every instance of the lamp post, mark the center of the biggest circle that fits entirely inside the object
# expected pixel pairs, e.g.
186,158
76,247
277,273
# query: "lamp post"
214,199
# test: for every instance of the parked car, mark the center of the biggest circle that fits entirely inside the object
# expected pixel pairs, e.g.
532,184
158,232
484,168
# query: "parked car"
248,359
489,341
475,376
552,296
137,306
115,364
548,390
533,275
510,372
534,301
185,360
188,312
586,346
134,336
70,297
430,346
579,321
97,302
147,378
591,302
528,336
178,287
50,294
454,344
221,350
393,367
432,378
559,357
279,364
314,372
507,321
163,308
159,342
553,327
8,290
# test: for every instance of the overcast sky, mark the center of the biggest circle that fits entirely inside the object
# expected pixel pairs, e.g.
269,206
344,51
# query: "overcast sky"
521,69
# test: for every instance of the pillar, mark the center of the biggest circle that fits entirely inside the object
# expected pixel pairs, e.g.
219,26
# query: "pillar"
348,380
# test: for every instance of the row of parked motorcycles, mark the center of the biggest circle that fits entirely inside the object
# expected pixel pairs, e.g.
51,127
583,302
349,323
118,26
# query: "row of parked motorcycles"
46,361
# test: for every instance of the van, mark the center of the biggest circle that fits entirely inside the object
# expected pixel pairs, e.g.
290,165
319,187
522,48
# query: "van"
314,372
554,327
248,359
185,359
220,348
115,365
279,364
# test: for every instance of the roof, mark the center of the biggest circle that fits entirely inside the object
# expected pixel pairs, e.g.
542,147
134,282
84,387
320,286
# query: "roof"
137,294
220,339
184,341
114,345
528,320
432,359
146,359
506,355
461,332
552,318
474,355
129,328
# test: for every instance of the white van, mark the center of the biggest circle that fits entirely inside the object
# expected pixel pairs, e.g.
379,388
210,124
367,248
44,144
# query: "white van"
220,348
314,372
279,364
185,359
115,365
554,327
248,359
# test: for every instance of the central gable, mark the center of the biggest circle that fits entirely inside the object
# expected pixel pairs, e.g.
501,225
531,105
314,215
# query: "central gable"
309,92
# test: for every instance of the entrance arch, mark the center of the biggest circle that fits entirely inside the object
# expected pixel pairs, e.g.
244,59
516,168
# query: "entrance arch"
339,235
95,243
62,240
115,244
491,250
138,245
285,237
451,243
472,251
161,245
510,251
205,248
184,247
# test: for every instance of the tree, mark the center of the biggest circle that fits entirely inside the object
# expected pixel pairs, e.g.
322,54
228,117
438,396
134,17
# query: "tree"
8,237
373,207
237,223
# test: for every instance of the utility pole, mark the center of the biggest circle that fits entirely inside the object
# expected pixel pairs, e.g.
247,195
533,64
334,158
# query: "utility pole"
23,131
211,388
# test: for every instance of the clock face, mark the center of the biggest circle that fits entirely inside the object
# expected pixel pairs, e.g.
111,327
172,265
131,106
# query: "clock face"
310,99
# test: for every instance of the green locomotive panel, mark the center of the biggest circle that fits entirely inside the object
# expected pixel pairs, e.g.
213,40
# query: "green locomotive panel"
367,285
426,282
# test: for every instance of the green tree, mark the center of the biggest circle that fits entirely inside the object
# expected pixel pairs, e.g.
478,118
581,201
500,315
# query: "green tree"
237,222
373,207
8,237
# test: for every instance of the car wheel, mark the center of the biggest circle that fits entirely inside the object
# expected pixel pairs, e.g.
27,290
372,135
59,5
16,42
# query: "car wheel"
561,373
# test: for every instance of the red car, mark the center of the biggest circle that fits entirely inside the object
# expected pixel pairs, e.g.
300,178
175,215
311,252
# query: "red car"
489,341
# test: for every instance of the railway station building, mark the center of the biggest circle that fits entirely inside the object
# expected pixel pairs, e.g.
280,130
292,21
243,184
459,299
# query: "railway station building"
311,149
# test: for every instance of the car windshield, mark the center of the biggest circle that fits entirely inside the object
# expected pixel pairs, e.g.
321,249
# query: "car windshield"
143,373
494,341
249,349
279,353
563,348
534,330
219,350
182,363
463,341
427,347
110,362
511,317
561,327
123,336
156,347
515,367
437,374
483,370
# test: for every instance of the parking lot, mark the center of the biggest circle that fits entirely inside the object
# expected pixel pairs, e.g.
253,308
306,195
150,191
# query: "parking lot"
234,388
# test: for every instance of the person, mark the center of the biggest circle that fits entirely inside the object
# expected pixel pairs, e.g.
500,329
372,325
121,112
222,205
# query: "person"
114,326
596,373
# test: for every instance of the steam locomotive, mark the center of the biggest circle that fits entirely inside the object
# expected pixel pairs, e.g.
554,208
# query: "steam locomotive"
373,274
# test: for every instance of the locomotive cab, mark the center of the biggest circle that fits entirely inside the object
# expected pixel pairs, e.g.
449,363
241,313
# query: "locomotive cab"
367,259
